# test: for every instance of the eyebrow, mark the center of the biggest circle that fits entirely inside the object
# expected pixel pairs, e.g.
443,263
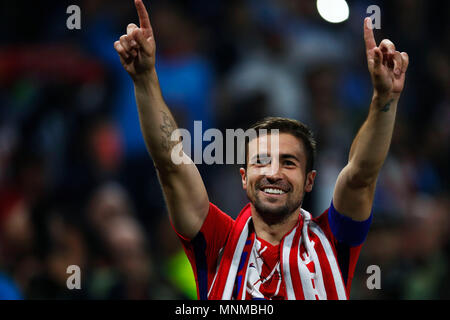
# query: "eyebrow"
289,156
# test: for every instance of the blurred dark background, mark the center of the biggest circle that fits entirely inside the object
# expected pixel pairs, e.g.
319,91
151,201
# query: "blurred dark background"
77,186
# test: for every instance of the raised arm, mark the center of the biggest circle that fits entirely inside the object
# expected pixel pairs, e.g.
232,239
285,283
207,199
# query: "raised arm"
182,185
355,186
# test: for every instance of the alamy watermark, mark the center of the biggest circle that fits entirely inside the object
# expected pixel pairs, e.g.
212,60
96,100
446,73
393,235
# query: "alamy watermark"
74,20
374,280
74,280
375,12
228,148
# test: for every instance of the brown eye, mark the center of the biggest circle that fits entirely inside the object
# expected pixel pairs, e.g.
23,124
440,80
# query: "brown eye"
289,163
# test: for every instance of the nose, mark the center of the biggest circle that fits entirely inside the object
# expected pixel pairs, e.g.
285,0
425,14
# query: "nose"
273,172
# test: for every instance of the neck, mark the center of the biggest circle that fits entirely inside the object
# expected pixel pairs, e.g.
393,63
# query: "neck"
273,232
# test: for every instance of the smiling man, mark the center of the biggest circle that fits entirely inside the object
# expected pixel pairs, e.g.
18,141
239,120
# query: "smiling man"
274,249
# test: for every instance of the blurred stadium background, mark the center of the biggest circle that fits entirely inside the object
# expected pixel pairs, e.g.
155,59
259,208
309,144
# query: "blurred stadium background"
78,188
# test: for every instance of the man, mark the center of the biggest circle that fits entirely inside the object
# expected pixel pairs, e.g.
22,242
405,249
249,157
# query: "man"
274,249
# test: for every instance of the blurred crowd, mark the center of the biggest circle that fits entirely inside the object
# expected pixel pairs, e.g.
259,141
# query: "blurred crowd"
77,186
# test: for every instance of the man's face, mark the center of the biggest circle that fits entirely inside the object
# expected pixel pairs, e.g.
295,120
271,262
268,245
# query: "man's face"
275,179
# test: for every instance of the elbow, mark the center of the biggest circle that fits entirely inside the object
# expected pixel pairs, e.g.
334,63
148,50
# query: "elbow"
173,164
165,168
362,182
360,177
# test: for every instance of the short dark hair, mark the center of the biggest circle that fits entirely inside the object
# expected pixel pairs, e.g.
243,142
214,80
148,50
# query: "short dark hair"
293,127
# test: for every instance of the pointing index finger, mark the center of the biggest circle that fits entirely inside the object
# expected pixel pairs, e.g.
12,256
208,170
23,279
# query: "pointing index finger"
369,39
144,21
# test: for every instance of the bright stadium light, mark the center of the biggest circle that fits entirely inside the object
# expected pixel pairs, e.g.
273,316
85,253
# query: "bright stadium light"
333,11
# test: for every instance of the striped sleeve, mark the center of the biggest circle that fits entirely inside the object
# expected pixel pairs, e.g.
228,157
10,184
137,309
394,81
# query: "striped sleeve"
204,249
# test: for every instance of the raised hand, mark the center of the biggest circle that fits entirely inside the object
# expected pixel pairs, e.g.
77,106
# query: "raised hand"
137,48
387,66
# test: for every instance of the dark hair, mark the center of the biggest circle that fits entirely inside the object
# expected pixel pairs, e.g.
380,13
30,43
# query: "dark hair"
293,127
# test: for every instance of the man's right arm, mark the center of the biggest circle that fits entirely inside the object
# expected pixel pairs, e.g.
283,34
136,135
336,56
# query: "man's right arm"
183,188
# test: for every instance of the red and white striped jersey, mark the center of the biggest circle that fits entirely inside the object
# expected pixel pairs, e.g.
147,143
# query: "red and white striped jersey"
336,243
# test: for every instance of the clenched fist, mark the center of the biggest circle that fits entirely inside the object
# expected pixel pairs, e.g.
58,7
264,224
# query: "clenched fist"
137,48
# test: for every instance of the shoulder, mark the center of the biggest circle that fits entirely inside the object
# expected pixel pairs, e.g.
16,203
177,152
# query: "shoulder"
343,228
217,221
217,224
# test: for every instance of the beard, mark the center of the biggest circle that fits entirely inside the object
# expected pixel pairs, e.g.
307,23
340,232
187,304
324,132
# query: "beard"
273,213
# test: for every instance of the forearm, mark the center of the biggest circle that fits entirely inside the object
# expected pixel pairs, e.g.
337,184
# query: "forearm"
183,188
156,120
356,183
182,185
371,145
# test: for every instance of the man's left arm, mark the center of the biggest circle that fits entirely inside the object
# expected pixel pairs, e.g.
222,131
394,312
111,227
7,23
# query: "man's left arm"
355,186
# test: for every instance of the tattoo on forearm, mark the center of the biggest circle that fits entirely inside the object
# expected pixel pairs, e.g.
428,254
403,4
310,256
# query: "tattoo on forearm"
387,106
167,127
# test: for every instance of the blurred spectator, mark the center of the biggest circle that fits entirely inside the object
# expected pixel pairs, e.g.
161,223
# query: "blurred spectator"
123,266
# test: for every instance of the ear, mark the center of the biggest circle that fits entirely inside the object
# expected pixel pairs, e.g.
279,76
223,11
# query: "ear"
243,178
309,182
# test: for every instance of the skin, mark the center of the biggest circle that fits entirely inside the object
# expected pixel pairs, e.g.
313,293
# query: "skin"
182,185
355,187
275,214
184,192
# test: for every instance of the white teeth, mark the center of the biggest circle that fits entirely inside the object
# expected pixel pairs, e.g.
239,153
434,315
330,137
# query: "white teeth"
273,191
